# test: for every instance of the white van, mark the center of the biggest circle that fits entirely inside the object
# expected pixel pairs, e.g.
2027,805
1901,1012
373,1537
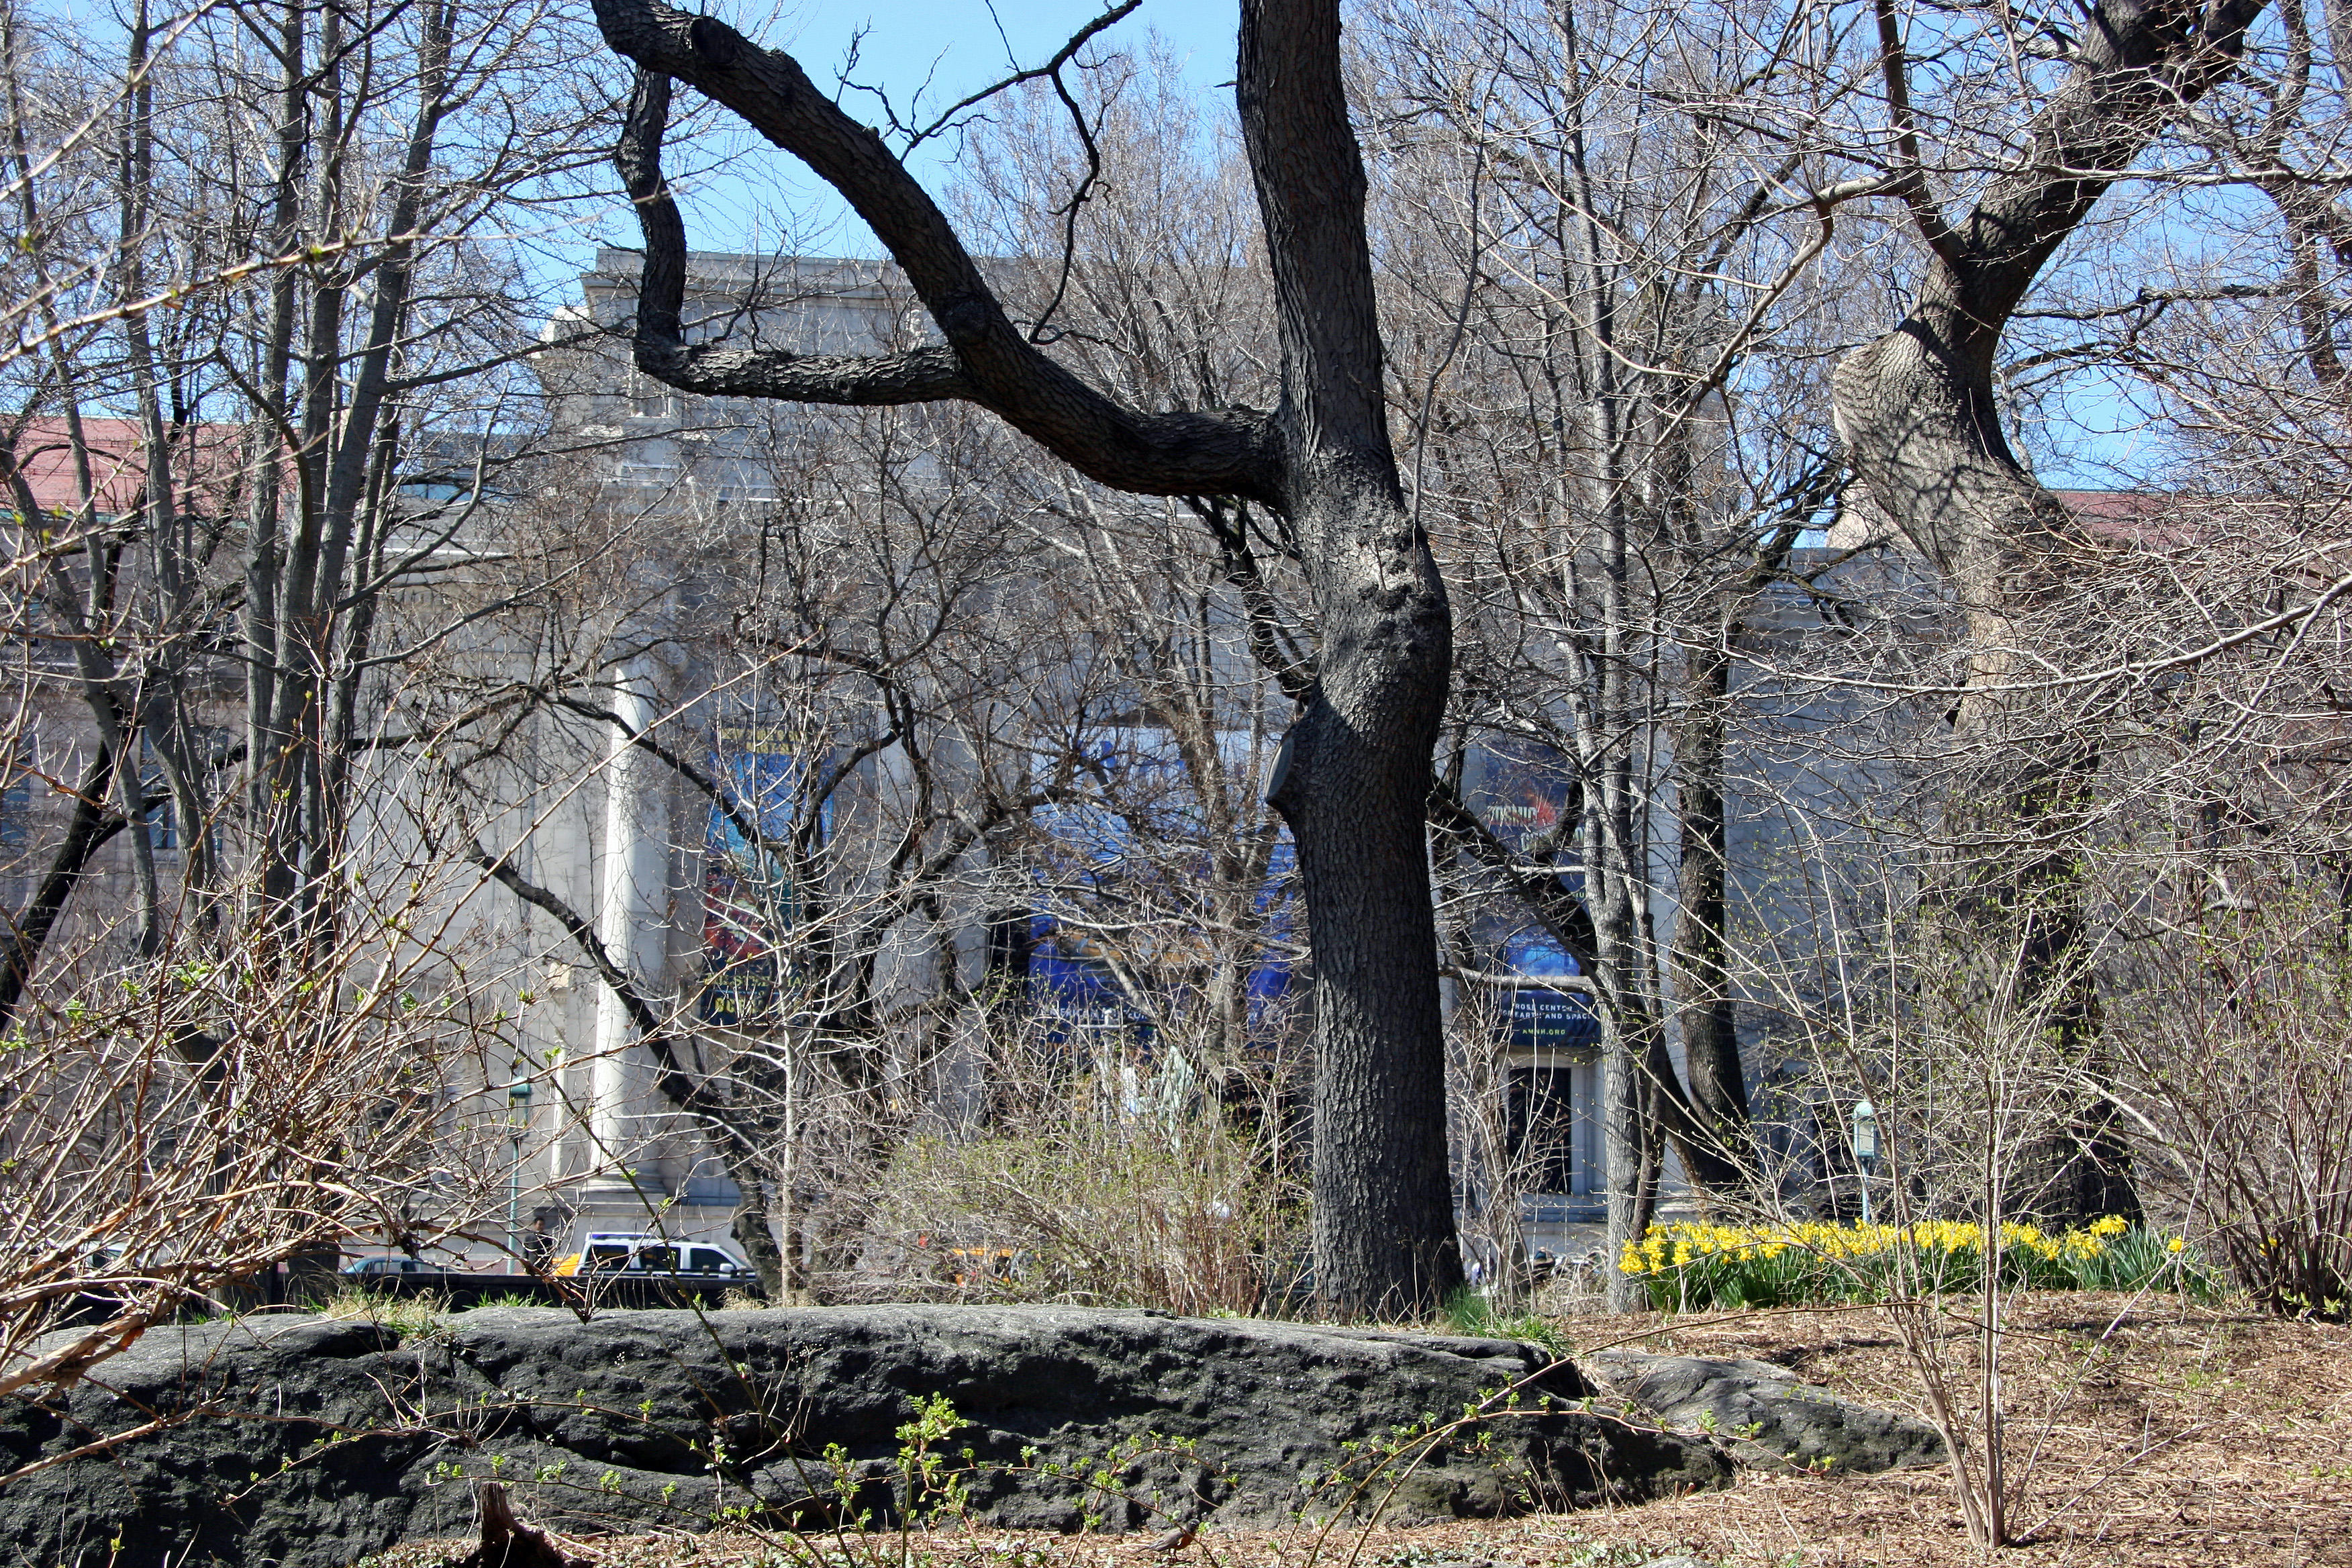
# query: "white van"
639,1254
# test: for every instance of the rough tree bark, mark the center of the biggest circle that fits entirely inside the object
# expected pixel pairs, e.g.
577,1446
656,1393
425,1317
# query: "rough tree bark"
1917,413
1360,755
1719,1082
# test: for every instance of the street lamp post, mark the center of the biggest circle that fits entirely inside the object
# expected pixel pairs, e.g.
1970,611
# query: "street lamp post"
1866,1148
518,1123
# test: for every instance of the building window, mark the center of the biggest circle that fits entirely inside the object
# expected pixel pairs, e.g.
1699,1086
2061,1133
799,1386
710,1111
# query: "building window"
163,824
16,815
1543,1129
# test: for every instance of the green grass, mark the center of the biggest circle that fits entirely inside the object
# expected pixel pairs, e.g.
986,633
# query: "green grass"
410,1317
1469,1313
508,1299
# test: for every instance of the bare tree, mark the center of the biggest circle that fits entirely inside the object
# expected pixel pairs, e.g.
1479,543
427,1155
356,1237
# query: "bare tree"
240,1046
1357,764
1920,415
1616,264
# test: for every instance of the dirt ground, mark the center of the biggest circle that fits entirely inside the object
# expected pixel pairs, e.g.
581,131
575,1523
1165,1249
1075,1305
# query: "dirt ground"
2166,1435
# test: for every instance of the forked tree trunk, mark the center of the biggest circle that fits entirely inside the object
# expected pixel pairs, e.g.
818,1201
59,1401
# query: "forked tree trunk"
1918,412
1356,787
1360,753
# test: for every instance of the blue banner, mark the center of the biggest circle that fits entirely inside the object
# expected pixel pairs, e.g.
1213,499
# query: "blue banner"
1092,852
1523,790
749,900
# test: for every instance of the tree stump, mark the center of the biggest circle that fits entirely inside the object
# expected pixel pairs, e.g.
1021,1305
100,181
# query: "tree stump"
507,1542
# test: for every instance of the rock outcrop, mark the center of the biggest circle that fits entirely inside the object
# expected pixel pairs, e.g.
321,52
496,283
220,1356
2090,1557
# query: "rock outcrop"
1769,1419
307,1442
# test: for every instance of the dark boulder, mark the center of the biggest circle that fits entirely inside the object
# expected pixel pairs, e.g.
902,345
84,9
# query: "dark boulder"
308,1443
1771,1420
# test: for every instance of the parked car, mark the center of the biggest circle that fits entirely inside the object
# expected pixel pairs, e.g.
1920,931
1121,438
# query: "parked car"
639,1255
376,1268
969,1266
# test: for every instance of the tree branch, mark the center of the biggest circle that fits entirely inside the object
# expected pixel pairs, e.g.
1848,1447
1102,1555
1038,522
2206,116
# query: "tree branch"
928,375
2140,62
1559,911
986,359
1912,175
677,1085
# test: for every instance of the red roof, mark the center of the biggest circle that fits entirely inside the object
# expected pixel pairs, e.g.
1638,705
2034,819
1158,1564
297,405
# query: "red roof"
205,463
2118,516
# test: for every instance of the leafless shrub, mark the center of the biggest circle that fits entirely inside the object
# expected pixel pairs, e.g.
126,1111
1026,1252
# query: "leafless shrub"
2234,1038
175,1128
1101,1180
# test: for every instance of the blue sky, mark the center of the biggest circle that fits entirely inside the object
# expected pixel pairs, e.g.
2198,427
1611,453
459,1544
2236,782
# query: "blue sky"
931,52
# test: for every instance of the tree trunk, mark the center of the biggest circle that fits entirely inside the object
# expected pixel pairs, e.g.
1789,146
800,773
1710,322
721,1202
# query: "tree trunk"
1622,1134
1918,412
1356,790
1360,753
1384,1237
754,1232
1719,1082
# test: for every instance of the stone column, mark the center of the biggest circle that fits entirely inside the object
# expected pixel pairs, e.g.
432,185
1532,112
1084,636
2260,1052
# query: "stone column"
633,923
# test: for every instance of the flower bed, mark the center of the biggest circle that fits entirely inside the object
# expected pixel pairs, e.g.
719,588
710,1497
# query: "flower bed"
1691,1268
